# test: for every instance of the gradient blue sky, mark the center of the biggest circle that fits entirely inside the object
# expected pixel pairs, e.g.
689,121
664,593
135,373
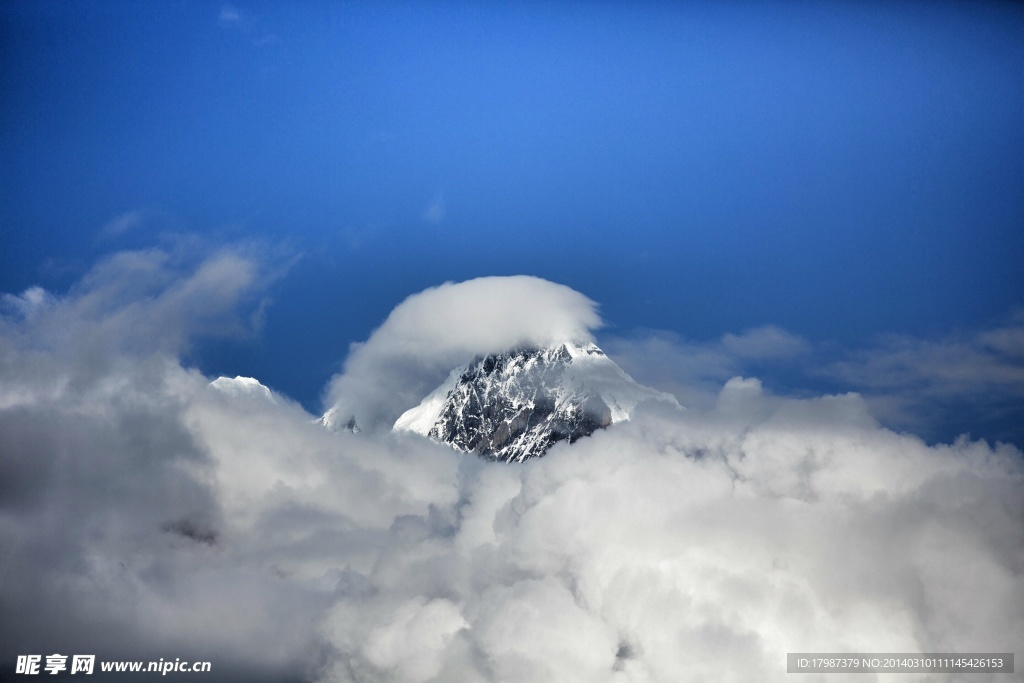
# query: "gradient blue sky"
841,170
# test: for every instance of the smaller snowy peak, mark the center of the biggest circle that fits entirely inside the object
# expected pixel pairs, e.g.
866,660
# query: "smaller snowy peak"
516,405
240,387
335,421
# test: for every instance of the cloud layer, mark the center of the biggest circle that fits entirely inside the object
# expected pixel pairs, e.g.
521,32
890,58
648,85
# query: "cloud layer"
938,388
146,514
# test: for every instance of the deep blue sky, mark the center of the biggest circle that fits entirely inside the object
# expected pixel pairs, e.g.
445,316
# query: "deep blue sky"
838,169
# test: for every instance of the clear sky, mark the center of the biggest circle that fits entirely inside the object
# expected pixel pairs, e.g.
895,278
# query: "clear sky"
839,170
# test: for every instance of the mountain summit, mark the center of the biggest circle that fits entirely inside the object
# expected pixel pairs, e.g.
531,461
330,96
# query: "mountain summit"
516,405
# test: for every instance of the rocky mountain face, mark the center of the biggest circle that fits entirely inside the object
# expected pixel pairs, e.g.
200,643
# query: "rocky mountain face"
518,404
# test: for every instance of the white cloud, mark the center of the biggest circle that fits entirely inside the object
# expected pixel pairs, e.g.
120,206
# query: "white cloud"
145,513
146,304
434,331
123,223
412,643
27,304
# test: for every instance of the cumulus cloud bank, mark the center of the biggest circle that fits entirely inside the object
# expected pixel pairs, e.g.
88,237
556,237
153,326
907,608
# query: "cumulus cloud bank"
145,514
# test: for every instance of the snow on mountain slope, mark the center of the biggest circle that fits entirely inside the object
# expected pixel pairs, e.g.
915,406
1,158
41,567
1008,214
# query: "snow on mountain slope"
242,386
516,405
334,421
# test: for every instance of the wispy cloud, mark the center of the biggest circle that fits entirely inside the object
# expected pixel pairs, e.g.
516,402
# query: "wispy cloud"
435,211
248,25
982,363
229,15
767,342
930,386
694,370
126,222
267,40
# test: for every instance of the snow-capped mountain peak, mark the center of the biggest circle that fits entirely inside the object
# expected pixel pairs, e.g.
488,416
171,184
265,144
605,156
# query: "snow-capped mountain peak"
242,387
516,405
